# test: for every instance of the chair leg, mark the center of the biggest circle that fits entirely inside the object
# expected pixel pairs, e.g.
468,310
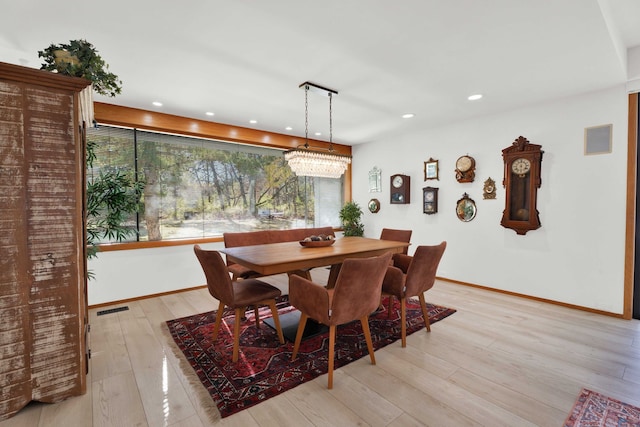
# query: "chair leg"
216,326
276,320
425,312
403,321
255,313
236,334
301,324
332,344
367,337
390,306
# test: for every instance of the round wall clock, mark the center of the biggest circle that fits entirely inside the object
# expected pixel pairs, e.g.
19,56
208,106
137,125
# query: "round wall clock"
465,169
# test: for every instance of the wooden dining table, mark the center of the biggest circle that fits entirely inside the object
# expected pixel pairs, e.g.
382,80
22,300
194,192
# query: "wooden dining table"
293,258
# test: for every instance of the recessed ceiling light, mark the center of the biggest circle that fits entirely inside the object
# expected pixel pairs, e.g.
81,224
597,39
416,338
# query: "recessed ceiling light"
475,97
209,113
288,128
253,122
157,104
318,133
408,116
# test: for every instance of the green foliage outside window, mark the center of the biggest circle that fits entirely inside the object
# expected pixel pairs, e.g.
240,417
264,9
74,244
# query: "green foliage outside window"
201,188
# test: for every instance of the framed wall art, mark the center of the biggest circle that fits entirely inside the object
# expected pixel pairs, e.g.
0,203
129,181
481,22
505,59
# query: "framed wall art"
375,180
431,169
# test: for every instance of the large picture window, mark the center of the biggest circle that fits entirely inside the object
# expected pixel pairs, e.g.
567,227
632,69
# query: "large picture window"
196,188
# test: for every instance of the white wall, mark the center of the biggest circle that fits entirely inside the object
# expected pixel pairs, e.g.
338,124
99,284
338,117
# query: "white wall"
121,275
577,257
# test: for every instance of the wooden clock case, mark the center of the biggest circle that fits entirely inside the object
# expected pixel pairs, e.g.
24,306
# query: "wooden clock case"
400,189
522,163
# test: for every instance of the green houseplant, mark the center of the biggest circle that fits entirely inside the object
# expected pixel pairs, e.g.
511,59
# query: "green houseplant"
79,58
350,216
112,195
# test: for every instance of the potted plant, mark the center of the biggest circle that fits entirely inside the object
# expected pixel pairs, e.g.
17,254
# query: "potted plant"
350,216
79,58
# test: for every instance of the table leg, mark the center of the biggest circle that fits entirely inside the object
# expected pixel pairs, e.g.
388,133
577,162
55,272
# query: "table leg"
333,275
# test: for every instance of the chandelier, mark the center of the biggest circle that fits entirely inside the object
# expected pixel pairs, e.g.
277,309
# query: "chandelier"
305,161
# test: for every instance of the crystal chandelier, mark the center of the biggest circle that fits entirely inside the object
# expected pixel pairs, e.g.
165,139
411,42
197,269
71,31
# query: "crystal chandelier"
304,161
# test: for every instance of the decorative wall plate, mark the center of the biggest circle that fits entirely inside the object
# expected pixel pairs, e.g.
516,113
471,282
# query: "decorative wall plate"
374,205
466,208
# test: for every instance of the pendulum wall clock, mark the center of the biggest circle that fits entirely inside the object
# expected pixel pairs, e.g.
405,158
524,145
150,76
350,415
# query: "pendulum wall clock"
400,189
522,162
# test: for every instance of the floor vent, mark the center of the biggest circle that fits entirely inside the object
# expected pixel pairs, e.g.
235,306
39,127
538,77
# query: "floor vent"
112,310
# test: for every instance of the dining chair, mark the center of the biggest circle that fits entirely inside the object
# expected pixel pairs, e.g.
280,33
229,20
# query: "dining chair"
355,295
419,278
397,235
236,295
401,259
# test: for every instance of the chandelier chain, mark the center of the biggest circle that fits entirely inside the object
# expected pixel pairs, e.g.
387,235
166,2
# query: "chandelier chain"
306,116
330,122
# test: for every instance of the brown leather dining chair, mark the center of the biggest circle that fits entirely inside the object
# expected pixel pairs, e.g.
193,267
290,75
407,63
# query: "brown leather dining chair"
237,295
401,259
419,278
355,295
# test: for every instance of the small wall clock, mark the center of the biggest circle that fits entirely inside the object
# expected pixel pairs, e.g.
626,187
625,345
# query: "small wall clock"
522,163
465,168
489,189
400,189
430,200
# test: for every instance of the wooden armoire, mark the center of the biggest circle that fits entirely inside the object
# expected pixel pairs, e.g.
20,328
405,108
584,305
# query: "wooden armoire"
43,303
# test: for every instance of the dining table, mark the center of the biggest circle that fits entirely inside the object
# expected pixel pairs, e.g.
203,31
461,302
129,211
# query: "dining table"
294,258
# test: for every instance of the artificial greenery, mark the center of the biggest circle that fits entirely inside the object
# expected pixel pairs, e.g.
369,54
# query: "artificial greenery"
79,58
350,216
112,197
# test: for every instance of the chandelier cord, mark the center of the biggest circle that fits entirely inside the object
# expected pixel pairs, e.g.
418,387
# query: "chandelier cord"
306,116
330,123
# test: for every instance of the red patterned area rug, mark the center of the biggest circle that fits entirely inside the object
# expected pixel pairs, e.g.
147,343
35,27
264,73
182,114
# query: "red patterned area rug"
264,368
596,410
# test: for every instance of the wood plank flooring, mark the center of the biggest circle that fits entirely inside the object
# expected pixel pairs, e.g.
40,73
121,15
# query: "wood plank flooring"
499,361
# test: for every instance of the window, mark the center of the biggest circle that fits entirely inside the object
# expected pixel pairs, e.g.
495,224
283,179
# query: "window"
197,188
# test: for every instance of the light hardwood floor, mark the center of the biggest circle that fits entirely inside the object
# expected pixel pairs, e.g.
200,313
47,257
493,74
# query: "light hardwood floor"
499,361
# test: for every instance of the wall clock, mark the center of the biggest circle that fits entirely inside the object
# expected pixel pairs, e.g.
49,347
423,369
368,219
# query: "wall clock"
430,200
465,168
400,189
522,163
489,189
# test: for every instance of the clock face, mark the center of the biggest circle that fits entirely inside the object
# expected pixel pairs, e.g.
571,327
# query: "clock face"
397,181
463,164
428,196
521,166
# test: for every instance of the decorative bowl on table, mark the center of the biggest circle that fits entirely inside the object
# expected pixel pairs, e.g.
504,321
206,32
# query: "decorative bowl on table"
318,241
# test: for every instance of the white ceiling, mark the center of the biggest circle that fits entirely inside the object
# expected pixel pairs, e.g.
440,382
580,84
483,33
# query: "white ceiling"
244,59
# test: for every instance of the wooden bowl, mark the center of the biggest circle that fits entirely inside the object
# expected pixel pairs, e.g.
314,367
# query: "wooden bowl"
317,243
